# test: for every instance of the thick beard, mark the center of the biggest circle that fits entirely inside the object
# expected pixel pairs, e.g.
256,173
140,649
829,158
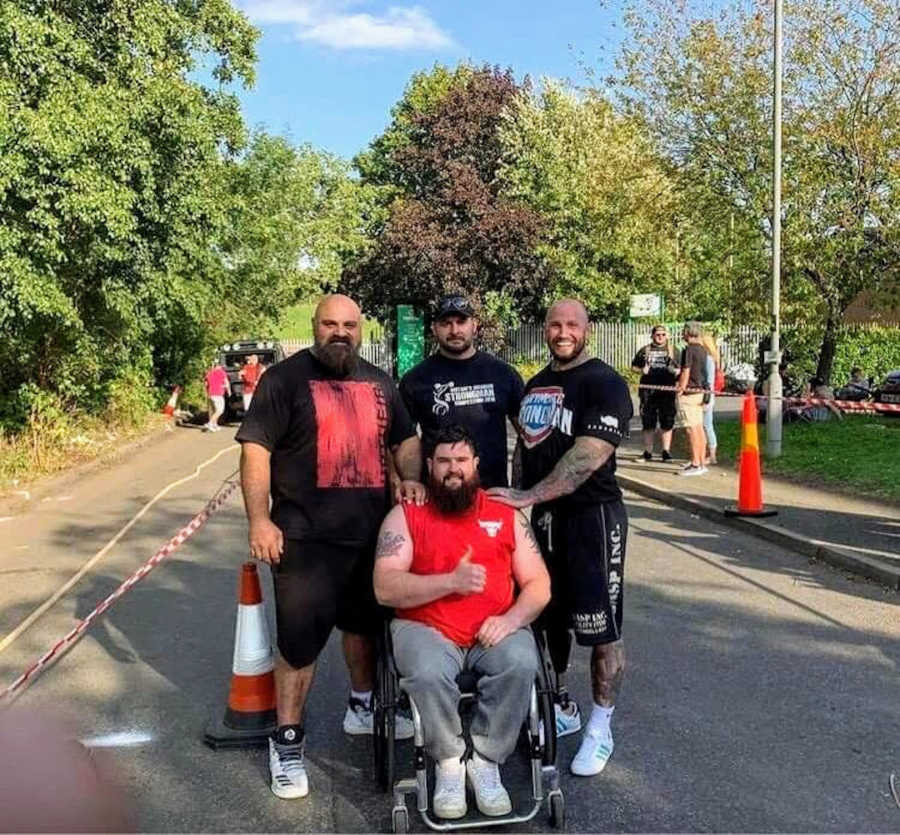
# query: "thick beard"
338,356
579,350
454,501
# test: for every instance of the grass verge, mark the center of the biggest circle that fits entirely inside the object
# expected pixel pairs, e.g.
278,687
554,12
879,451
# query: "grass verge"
41,450
860,454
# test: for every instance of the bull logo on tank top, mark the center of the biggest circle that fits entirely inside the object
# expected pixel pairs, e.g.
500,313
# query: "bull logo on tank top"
541,412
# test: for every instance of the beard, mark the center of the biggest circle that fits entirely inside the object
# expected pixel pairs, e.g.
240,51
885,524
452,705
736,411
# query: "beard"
338,355
579,349
453,501
457,347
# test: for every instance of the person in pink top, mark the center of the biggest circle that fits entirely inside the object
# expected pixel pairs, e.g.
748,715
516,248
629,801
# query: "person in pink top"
217,386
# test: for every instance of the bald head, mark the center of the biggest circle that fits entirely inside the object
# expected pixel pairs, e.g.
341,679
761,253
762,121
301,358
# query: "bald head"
568,309
566,329
337,306
337,332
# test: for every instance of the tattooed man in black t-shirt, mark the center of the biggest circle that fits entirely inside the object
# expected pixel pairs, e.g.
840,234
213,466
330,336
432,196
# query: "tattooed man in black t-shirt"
574,414
317,439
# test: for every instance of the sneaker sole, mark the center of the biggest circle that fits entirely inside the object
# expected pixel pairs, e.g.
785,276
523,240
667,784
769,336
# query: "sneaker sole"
398,735
288,794
451,814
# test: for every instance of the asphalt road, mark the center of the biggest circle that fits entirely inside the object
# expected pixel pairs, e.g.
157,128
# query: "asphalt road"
761,693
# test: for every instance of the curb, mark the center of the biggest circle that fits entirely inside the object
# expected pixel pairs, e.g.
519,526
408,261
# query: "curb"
867,567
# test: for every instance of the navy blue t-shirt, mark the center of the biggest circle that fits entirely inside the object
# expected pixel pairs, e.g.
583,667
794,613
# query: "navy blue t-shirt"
591,399
479,393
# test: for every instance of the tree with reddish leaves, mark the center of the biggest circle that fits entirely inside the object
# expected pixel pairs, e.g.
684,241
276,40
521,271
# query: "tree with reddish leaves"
447,227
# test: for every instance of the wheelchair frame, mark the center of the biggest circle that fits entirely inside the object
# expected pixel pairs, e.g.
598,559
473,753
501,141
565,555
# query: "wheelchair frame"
388,696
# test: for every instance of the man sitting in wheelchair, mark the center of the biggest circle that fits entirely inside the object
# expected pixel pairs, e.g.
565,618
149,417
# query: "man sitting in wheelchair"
450,569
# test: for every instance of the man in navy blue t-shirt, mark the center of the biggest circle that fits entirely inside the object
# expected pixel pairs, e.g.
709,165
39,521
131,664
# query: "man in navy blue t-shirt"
462,385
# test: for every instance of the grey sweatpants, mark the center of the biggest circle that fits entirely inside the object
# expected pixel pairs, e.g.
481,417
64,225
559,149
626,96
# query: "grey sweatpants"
429,664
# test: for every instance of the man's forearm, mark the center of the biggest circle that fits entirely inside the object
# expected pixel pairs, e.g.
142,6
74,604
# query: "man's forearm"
408,459
516,480
531,601
403,589
255,481
571,471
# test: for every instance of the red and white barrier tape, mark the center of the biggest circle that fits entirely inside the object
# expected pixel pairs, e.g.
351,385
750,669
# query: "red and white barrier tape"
844,405
212,506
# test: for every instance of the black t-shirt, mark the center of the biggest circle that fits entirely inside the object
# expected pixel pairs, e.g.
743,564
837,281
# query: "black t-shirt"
662,367
329,438
479,393
694,357
590,399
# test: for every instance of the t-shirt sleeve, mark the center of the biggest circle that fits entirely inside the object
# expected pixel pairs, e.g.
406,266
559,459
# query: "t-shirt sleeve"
269,417
402,426
516,393
407,389
640,358
606,410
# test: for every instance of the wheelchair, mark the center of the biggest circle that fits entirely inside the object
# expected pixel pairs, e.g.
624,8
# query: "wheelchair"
389,697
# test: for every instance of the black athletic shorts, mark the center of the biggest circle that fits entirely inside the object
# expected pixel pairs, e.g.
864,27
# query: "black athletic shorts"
658,407
584,549
319,586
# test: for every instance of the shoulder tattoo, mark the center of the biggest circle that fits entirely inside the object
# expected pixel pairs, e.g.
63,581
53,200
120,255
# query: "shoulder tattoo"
389,544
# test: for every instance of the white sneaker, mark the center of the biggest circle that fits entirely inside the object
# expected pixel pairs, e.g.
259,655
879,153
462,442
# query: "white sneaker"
359,720
484,778
449,800
286,769
568,721
692,470
593,754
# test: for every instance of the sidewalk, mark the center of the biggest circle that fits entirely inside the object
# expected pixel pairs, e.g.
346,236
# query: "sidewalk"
861,535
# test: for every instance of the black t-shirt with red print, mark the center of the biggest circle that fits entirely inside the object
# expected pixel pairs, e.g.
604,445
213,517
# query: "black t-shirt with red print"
329,438
591,400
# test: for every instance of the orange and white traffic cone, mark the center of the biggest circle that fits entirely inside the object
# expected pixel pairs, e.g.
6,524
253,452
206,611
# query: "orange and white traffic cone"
750,501
169,409
250,714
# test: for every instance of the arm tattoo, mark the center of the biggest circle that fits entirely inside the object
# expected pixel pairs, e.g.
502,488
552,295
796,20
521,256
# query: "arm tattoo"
572,470
516,480
389,543
528,532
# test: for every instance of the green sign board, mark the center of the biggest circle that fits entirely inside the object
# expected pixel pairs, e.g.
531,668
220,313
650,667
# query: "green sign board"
410,338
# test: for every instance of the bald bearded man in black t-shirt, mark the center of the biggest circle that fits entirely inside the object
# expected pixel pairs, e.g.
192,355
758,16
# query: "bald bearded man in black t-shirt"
574,414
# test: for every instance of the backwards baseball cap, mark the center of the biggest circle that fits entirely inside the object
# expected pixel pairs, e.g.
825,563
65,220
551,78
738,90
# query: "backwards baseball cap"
454,305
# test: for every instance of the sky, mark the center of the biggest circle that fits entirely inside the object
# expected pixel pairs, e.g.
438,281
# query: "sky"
329,71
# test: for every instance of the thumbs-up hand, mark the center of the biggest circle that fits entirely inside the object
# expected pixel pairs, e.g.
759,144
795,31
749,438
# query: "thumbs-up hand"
468,577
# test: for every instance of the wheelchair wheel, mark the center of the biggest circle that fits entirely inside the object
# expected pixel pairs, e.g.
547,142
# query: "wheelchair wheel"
400,819
384,721
547,711
557,810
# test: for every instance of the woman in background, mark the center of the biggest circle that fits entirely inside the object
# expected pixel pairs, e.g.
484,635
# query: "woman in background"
713,362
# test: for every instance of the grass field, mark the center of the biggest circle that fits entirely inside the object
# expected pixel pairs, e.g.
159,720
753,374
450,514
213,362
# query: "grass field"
296,323
860,454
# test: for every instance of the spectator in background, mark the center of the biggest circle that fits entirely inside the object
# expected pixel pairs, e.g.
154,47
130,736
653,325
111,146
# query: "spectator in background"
713,364
857,388
657,366
693,389
250,373
815,412
217,386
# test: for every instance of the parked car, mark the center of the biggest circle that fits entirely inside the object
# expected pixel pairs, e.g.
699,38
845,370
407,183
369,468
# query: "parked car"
233,356
889,390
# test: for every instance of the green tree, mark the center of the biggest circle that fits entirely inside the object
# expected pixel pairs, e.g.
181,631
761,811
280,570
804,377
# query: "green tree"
703,84
595,178
448,225
111,175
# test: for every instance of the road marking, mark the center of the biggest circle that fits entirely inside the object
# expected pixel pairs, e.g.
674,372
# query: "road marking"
105,549
122,739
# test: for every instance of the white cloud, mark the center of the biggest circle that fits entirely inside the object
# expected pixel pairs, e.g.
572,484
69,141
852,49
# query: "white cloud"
401,28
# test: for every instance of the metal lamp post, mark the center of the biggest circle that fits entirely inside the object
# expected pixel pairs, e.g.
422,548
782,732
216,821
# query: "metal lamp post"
773,358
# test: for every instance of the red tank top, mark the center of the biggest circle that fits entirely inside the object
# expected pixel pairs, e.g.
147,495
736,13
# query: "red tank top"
439,542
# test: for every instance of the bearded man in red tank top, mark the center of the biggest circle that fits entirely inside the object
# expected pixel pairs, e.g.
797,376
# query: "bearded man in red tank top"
450,569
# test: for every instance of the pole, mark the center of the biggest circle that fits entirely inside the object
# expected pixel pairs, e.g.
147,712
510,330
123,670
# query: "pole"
774,408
